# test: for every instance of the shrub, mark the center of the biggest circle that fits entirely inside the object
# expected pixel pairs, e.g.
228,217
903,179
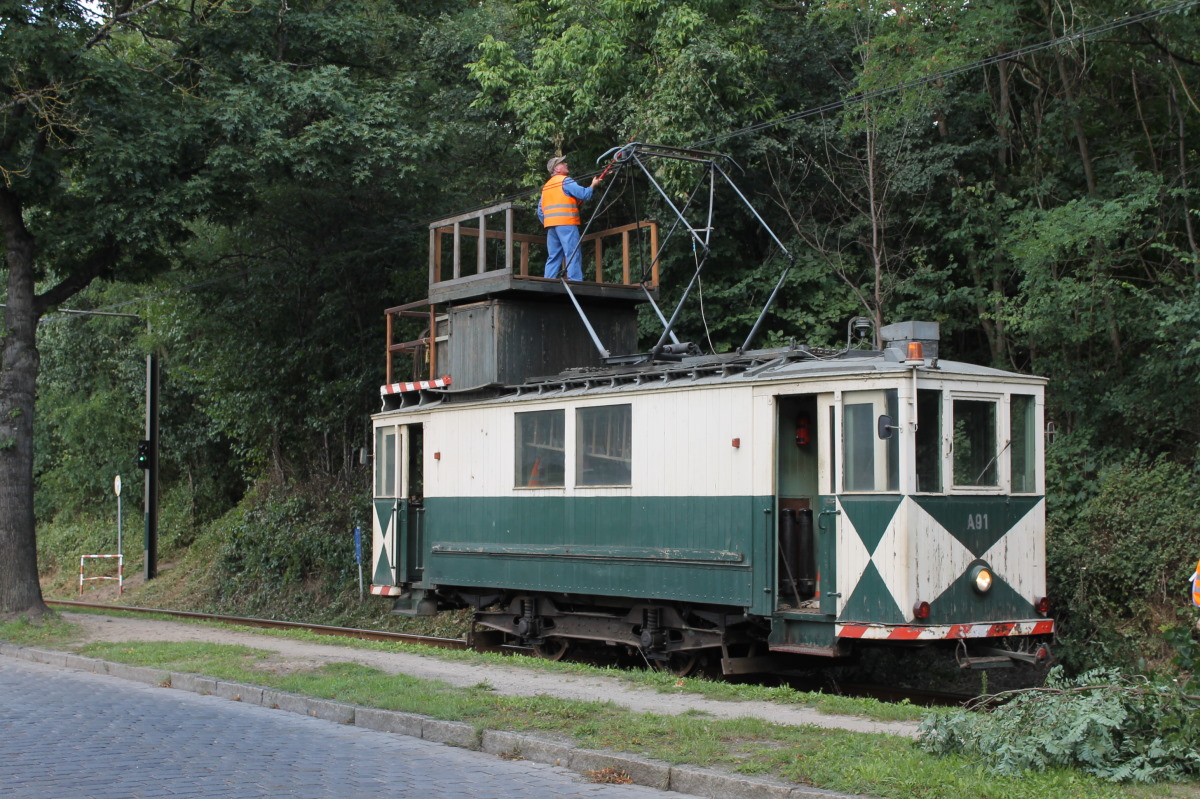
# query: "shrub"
1118,562
1118,727
288,538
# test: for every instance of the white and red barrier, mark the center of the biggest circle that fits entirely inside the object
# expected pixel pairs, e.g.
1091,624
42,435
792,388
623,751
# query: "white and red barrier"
120,578
401,388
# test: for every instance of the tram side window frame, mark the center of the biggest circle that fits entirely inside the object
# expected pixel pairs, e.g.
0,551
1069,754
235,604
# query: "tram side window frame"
539,454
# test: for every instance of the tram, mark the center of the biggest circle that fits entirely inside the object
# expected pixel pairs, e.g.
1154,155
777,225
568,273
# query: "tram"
730,508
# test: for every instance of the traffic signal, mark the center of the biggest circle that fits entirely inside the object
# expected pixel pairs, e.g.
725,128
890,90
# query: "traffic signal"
143,455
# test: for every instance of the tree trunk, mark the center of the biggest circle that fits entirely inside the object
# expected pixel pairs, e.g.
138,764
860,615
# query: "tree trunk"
20,591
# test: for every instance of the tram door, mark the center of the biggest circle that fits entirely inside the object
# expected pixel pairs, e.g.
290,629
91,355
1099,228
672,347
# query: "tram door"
796,490
399,519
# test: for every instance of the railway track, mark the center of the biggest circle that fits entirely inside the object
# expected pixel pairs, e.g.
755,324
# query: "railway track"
273,624
883,693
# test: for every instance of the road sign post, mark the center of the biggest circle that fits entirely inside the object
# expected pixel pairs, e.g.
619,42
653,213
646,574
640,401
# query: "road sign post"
117,491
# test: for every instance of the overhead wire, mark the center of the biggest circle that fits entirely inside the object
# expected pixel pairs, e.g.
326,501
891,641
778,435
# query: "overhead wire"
934,77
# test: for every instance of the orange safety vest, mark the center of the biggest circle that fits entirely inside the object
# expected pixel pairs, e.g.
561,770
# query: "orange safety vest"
1196,586
558,207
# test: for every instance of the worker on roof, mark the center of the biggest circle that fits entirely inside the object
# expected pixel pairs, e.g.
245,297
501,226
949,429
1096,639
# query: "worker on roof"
558,211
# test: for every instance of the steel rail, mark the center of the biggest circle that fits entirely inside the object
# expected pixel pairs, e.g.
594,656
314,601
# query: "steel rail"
319,629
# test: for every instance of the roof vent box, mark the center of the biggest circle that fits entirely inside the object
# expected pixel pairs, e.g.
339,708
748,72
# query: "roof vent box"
898,336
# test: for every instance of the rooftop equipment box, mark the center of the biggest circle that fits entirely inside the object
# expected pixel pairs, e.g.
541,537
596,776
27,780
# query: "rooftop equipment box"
505,341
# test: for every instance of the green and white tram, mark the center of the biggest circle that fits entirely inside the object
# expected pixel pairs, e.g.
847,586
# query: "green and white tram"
777,501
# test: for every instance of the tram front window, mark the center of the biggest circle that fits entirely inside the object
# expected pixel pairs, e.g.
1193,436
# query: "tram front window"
975,451
870,463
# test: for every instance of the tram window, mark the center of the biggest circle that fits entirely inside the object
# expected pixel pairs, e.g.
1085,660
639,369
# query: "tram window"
975,452
385,462
540,446
1022,423
603,445
416,463
871,463
929,441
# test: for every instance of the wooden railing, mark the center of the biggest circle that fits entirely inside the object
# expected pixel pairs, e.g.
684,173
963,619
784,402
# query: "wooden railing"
474,224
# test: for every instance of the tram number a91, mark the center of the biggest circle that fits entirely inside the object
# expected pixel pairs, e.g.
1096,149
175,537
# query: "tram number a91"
977,521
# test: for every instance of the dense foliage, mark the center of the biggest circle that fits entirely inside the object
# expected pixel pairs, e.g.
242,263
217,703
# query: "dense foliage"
267,172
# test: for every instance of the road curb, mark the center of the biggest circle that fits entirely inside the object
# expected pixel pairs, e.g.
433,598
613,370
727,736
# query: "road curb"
691,780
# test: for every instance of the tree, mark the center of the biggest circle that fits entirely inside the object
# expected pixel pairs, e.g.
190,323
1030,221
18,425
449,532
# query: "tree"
122,131
293,150
99,174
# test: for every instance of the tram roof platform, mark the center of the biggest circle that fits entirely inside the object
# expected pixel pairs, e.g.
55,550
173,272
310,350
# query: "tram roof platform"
506,283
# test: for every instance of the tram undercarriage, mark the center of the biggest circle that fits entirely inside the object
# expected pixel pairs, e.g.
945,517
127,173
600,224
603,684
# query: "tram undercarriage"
671,637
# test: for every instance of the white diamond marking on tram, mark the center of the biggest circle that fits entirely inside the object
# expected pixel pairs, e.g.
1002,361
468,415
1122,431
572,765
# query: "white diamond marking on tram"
944,558
852,558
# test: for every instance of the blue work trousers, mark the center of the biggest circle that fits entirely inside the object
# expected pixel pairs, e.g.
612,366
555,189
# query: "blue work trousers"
563,242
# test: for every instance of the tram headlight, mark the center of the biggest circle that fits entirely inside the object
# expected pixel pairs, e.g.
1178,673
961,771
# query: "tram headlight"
981,578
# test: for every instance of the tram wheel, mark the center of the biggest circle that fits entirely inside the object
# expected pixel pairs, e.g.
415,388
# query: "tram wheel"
681,664
552,648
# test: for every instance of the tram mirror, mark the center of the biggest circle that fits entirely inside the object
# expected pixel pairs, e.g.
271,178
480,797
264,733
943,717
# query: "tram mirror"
885,427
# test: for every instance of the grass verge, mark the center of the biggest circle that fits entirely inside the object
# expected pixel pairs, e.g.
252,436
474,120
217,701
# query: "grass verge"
662,682
878,765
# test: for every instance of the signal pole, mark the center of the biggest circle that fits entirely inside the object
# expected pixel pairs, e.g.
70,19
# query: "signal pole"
151,467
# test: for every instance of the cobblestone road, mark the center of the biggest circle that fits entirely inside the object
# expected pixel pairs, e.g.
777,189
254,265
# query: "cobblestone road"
65,733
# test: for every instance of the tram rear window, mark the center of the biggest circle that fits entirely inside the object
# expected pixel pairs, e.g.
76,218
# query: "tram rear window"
541,442
1024,444
975,451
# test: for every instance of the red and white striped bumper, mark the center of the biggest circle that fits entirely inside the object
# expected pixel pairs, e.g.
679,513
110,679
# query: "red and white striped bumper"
891,632
386,590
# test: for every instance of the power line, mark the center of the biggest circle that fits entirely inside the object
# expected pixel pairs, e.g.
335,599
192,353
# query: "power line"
837,105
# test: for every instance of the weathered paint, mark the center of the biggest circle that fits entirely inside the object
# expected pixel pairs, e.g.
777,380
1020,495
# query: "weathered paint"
895,552
696,549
